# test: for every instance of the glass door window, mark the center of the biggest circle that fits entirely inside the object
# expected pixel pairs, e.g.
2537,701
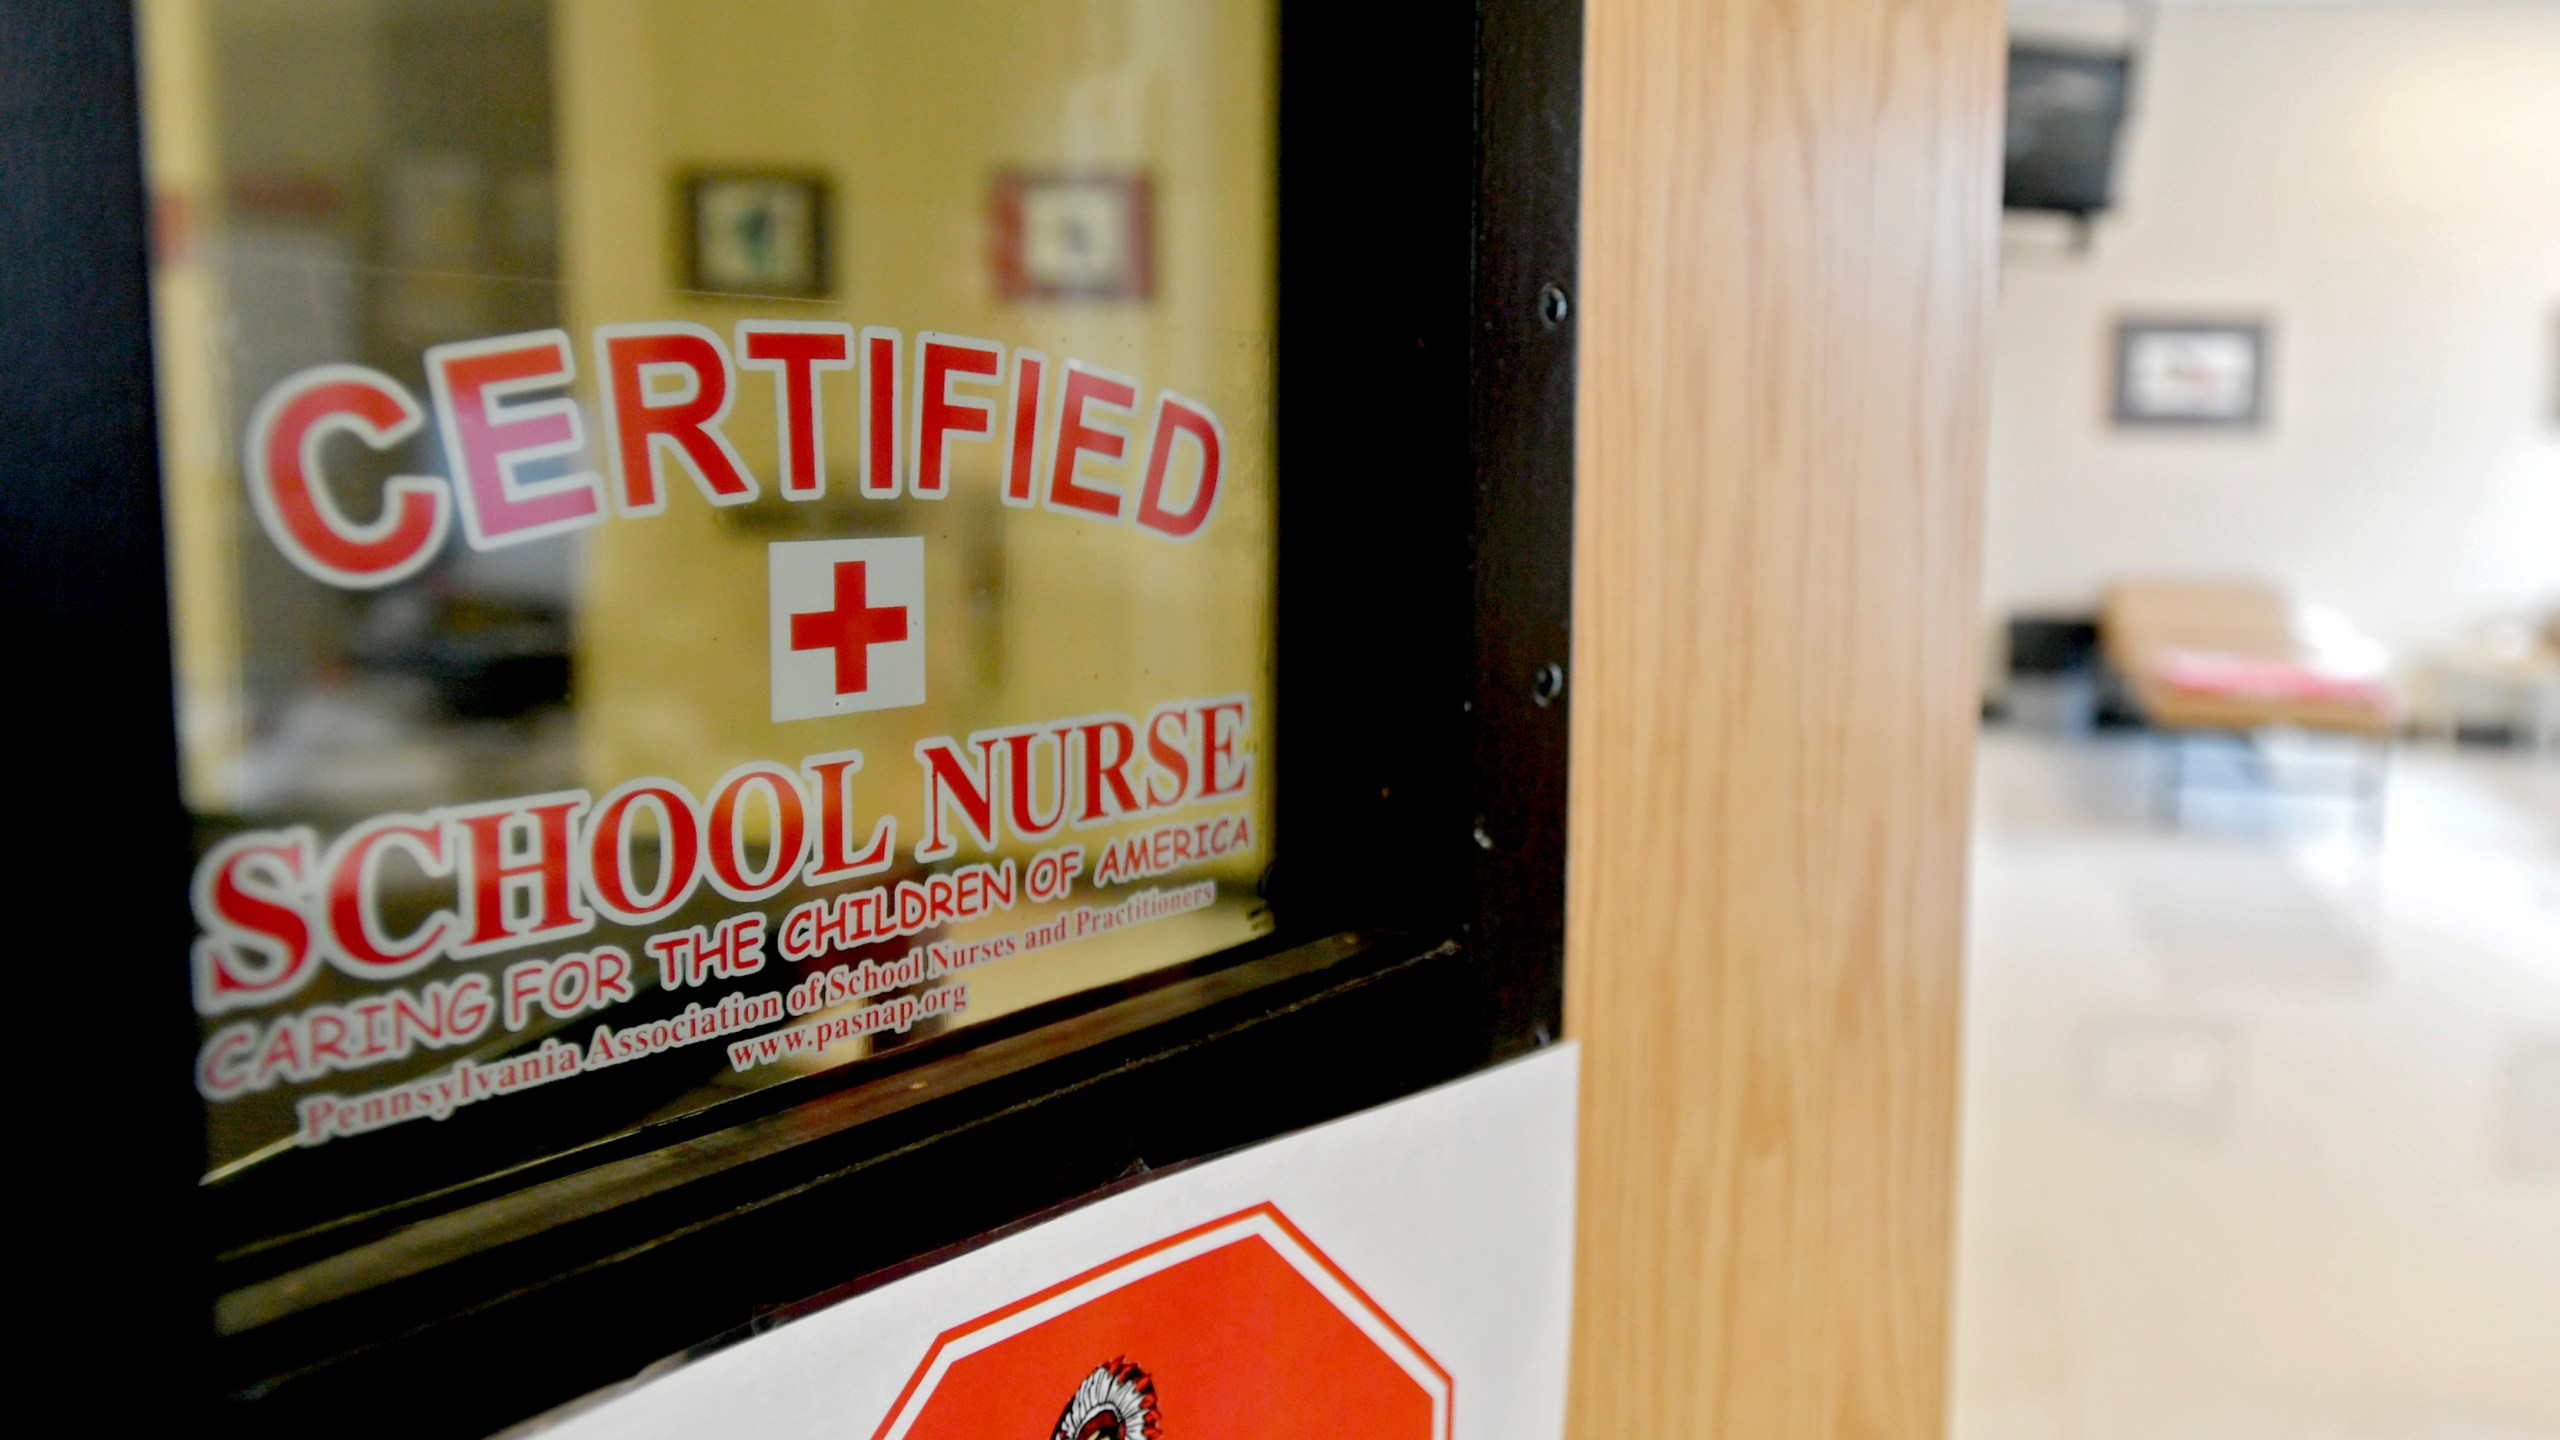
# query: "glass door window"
709,543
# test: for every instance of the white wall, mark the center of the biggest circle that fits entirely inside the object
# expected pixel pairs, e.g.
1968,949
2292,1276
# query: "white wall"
2382,182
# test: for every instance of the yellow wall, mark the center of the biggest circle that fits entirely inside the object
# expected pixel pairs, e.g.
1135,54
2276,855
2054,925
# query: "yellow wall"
198,476
911,111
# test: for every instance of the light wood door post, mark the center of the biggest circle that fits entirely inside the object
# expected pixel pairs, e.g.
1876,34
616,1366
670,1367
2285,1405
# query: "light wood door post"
1789,215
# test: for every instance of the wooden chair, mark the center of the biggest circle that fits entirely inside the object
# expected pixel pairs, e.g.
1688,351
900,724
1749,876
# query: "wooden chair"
2221,660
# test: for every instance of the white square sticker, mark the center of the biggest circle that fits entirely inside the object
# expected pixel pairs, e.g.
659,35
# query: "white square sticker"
848,626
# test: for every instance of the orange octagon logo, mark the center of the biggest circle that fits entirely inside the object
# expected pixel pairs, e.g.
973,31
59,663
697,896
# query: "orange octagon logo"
1240,1329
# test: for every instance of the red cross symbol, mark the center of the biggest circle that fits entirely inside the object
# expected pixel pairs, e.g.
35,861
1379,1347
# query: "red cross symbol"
850,629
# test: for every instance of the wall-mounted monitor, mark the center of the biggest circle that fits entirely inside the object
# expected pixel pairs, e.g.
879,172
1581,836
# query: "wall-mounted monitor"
2066,108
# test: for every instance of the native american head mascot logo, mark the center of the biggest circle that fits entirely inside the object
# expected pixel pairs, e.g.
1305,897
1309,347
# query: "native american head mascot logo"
1116,1402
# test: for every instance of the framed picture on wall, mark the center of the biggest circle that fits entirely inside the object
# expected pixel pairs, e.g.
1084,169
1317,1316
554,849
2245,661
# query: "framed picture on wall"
755,232
1074,235
2191,372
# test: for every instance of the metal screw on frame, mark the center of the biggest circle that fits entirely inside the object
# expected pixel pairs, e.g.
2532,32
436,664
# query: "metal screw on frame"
1554,306
1548,686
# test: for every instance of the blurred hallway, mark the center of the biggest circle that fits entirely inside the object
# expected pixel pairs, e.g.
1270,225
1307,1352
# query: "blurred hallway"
2262,1120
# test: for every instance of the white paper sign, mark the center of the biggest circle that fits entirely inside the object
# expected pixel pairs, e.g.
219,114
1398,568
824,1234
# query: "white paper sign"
1404,1271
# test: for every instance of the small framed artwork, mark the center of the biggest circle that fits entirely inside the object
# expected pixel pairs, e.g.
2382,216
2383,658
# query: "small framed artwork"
755,232
2191,372
1074,235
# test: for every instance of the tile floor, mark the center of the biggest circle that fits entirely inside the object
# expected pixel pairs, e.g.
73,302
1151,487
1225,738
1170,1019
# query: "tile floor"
2262,1113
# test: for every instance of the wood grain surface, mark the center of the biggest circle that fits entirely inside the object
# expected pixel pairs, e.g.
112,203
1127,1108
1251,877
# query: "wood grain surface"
1789,228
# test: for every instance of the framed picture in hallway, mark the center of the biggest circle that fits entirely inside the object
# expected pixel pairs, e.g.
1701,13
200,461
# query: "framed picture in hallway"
755,232
2191,373
1062,235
